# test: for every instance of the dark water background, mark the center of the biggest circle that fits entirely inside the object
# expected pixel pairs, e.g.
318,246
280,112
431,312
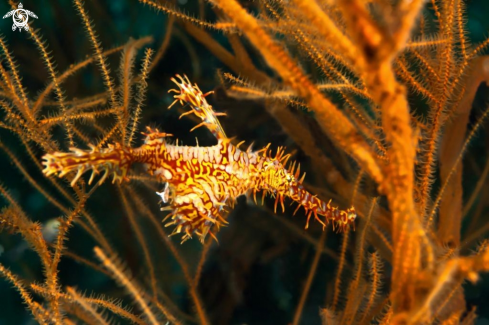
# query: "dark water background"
256,274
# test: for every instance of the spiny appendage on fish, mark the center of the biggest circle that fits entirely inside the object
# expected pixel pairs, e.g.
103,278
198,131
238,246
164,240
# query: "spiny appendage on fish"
191,94
115,159
282,182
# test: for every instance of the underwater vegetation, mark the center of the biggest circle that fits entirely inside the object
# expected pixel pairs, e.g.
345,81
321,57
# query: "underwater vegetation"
382,103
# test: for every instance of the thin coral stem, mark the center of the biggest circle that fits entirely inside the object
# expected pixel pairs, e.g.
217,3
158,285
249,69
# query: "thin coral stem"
328,29
87,306
351,306
141,239
339,273
183,265
396,121
310,278
37,310
125,281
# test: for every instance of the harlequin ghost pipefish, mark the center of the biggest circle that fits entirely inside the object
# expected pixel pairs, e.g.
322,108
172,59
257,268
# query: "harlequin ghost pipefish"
200,182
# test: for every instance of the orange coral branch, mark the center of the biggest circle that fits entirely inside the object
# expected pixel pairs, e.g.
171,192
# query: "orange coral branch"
407,231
